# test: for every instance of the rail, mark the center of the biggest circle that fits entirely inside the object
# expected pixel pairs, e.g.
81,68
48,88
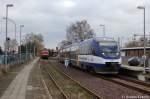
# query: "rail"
138,86
92,94
53,80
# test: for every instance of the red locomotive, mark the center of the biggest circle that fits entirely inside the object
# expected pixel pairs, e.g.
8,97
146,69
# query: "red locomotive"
44,54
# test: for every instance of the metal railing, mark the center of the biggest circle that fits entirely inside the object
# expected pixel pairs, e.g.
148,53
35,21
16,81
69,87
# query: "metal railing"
15,58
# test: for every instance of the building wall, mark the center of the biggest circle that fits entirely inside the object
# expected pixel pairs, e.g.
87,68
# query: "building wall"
135,52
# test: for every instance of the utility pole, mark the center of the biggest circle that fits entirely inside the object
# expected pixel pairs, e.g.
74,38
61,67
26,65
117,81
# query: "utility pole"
26,50
21,26
103,29
15,27
7,6
143,8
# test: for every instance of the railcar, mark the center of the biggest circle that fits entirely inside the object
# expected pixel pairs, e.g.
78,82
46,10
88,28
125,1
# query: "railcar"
101,55
44,54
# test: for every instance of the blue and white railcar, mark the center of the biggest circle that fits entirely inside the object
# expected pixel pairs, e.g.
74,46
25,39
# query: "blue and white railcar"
101,55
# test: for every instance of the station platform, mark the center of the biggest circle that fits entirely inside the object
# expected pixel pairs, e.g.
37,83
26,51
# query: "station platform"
135,68
24,86
136,71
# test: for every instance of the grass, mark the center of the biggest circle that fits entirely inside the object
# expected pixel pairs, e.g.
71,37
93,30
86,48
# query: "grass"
71,88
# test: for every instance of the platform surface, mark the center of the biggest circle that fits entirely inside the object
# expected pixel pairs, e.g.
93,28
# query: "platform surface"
17,88
135,68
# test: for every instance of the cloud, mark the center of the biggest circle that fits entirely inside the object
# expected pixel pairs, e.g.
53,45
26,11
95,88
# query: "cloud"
50,17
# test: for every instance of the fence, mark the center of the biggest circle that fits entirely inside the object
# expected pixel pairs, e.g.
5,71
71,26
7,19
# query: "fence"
15,58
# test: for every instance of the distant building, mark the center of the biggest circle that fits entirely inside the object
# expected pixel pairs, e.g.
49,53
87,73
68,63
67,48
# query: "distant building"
135,51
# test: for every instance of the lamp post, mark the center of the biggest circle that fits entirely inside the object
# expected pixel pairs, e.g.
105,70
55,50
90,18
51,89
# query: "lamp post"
21,26
103,29
26,47
12,21
143,8
7,6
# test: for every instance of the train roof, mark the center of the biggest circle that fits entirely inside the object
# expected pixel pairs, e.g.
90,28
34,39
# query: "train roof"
134,48
99,39
104,38
91,39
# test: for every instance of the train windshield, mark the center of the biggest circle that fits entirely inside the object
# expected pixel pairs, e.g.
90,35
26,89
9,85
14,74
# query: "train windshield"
108,47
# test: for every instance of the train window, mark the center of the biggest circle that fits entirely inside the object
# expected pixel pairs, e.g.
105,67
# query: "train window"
90,50
80,49
83,49
93,52
86,49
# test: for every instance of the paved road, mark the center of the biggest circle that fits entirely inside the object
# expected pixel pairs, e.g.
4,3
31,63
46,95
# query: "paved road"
17,88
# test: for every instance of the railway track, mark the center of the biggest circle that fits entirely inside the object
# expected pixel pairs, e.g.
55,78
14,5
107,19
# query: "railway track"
101,86
134,80
67,87
129,83
143,87
54,90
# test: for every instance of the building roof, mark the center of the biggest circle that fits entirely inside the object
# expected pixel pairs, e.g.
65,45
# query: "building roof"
133,48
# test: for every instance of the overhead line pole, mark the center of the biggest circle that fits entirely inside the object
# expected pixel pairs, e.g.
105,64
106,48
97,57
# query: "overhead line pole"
143,8
103,29
20,39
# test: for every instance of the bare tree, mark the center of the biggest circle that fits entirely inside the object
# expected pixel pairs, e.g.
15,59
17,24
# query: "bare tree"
138,43
63,44
78,31
11,45
33,41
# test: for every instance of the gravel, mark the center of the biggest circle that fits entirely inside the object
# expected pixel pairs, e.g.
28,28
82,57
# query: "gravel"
106,89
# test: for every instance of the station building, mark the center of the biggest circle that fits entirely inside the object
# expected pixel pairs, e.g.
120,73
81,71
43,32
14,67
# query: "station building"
135,51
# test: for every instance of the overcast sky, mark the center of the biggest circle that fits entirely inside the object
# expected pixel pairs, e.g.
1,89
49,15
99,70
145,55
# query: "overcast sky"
50,17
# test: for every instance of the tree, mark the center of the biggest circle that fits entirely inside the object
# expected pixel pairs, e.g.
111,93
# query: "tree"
79,31
132,44
63,44
11,45
33,42
138,43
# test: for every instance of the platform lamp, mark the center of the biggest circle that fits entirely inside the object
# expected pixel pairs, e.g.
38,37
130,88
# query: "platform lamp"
21,26
7,6
143,8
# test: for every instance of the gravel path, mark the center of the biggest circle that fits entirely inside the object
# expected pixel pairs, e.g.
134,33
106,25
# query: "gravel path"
36,88
6,79
106,89
17,88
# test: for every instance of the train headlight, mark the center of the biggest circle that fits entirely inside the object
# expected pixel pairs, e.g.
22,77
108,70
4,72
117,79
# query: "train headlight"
117,53
103,53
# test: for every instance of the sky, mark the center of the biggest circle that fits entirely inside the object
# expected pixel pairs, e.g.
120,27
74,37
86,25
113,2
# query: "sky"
51,17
